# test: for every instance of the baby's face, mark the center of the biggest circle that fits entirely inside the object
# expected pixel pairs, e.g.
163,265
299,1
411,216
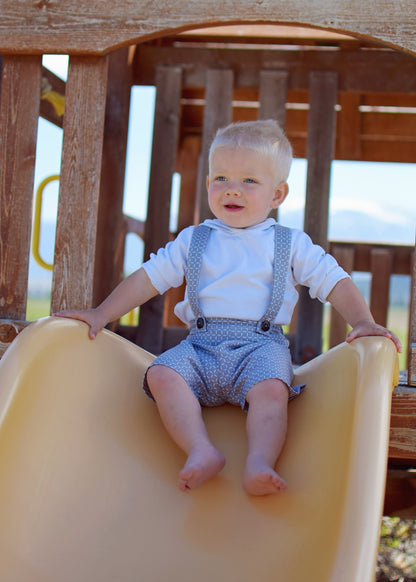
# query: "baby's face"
242,186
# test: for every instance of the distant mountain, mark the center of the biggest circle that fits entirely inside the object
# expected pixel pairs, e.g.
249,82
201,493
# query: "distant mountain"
353,225
344,225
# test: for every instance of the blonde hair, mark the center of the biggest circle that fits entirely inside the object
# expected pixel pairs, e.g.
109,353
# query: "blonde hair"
265,137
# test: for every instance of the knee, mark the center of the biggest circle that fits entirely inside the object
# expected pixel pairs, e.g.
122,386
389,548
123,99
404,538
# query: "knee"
158,378
272,391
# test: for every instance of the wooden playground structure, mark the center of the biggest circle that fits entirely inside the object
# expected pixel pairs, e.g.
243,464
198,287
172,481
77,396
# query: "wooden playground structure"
340,77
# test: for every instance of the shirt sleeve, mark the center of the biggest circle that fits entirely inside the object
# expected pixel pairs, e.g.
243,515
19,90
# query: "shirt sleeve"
313,267
167,268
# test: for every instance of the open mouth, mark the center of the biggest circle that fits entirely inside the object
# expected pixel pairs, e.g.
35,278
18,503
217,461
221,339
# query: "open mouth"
233,207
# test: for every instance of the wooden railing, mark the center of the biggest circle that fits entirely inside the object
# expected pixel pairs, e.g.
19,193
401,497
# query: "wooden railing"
381,261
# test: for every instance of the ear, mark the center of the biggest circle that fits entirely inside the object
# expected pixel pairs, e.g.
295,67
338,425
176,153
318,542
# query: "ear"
207,182
282,190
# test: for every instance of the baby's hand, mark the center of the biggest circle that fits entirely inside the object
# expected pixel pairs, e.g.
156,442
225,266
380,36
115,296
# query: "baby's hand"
90,316
367,328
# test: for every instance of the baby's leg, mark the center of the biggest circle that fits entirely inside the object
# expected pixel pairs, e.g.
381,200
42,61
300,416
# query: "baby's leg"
266,432
181,415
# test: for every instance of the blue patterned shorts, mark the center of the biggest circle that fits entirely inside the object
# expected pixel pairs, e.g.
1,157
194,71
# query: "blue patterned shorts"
224,360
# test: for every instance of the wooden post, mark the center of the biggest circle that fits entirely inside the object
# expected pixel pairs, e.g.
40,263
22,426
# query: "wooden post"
217,113
109,257
338,327
381,270
19,112
273,96
187,166
273,93
320,151
165,141
72,284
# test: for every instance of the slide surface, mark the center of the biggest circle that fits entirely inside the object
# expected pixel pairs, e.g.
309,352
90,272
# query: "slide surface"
88,482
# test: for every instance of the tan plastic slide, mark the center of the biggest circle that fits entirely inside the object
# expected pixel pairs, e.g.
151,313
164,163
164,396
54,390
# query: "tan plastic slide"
88,482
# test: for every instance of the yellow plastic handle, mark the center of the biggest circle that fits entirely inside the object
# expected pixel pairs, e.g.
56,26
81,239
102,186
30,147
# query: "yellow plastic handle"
37,221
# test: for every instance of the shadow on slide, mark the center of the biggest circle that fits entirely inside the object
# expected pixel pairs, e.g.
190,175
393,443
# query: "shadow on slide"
88,483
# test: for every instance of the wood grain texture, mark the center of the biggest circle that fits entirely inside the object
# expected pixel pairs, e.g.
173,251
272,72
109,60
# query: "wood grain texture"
9,329
98,26
363,70
109,255
217,113
403,424
19,110
320,152
164,148
72,284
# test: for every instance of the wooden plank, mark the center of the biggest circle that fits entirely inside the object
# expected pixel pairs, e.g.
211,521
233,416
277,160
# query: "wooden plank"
381,270
186,166
19,110
348,143
320,152
403,424
388,126
398,144
164,150
321,141
388,151
273,95
9,329
376,71
72,283
402,255
98,26
217,113
109,259
338,328
56,84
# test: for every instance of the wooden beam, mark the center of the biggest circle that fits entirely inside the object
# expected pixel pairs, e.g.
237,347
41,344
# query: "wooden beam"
272,101
273,95
9,329
403,425
19,111
109,257
57,85
72,283
402,255
338,327
321,141
217,113
99,26
381,271
348,143
376,71
165,143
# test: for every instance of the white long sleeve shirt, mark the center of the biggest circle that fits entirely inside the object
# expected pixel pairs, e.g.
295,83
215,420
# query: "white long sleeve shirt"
237,271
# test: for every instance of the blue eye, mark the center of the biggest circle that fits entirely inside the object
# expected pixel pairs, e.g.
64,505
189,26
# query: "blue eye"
220,178
250,181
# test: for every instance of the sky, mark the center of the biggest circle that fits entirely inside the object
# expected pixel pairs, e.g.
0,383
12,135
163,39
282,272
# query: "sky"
383,192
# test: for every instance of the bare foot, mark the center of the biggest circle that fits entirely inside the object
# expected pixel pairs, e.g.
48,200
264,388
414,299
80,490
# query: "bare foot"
202,464
260,479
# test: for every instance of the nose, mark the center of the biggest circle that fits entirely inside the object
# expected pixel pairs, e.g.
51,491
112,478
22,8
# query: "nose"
233,191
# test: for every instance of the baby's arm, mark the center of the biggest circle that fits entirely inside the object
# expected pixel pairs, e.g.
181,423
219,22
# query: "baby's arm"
133,291
349,302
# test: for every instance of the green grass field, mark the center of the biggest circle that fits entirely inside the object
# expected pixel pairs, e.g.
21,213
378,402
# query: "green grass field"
398,321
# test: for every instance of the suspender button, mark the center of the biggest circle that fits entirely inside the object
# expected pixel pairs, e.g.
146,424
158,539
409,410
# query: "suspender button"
200,322
265,325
